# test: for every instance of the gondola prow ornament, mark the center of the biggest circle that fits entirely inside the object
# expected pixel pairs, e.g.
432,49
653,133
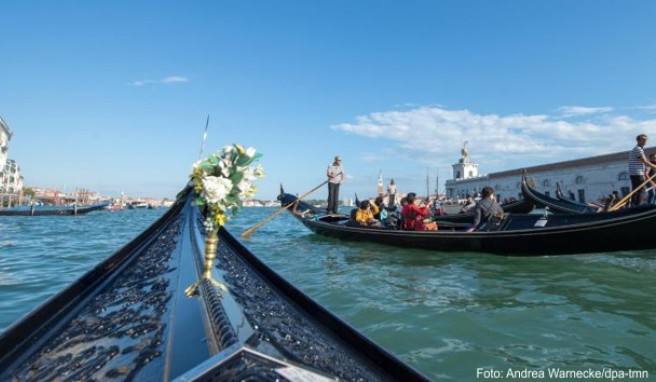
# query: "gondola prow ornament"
221,183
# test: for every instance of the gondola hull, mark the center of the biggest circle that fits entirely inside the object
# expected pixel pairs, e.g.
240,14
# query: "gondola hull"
130,319
36,210
555,205
519,235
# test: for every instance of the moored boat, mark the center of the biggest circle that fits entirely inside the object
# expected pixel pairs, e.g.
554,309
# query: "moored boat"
556,205
591,206
137,204
44,210
129,318
517,234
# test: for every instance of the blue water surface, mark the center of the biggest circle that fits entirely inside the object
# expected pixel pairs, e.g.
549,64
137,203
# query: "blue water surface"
450,315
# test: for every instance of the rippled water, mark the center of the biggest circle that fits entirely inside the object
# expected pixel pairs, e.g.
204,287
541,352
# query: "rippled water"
445,314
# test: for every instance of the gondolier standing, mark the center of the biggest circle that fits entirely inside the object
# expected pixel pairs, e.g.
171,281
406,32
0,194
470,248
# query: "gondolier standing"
335,173
637,167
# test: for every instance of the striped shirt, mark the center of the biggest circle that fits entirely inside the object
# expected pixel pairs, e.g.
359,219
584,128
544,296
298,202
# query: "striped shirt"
636,166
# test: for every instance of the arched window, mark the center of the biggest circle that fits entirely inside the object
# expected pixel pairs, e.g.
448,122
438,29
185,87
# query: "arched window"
580,179
623,176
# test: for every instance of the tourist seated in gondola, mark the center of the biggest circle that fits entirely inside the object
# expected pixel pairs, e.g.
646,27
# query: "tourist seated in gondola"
413,215
385,214
469,206
488,212
365,215
437,209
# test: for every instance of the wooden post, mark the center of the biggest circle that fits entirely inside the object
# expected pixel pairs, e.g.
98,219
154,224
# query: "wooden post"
75,203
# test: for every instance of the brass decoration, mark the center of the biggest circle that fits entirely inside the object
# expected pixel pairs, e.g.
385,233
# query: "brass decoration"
211,244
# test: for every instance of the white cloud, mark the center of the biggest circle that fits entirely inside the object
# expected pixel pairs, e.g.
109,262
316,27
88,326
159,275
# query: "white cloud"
173,79
431,134
648,108
575,111
166,80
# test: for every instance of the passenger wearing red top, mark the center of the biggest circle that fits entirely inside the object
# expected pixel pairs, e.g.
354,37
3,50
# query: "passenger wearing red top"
413,215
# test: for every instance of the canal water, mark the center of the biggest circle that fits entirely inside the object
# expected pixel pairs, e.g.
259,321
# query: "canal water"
454,316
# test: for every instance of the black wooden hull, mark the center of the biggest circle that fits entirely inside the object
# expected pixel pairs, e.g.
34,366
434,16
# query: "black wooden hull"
519,235
522,206
561,206
129,319
51,210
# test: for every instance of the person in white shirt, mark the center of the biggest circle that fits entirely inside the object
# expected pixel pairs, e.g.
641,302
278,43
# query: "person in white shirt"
638,163
335,173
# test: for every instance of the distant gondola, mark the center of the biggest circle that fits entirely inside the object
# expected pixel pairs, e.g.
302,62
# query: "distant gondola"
517,234
592,206
129,319
560,205
522,206
41,210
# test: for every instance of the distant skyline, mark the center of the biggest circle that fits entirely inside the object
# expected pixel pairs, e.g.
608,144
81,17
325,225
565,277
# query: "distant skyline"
113,96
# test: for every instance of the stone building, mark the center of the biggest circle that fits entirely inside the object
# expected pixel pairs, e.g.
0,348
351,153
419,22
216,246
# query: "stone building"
10,179
584,180
5,136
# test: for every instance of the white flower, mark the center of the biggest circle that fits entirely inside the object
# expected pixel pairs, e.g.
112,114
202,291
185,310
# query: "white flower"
243,187
250,152
251,173
224,166
248,171
209,224
197,163
259,171
215,188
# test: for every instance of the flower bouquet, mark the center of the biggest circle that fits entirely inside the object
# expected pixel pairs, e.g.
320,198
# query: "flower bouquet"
221,183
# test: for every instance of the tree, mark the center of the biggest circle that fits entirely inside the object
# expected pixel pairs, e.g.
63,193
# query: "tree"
29,191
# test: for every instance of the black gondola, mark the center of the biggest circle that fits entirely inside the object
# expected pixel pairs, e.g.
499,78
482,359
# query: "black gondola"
129,319
522,206
592,206
39,210
561,206
517,234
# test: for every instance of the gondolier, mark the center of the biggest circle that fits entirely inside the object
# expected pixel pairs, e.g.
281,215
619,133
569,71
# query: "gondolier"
637,165
335,173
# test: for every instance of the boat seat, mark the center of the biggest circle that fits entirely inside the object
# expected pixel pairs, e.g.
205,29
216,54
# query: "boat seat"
491,226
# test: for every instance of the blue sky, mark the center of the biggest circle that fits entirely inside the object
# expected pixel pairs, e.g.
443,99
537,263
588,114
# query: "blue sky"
113,96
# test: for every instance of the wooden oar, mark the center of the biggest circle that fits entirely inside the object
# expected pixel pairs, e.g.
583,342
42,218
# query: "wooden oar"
263,222
625,199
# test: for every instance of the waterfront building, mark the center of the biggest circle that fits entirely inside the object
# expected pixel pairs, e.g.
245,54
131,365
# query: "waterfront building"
10,179
5,136
584,180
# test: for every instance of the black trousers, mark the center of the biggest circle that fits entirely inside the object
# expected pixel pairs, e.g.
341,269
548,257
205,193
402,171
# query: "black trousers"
638,197
333,197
